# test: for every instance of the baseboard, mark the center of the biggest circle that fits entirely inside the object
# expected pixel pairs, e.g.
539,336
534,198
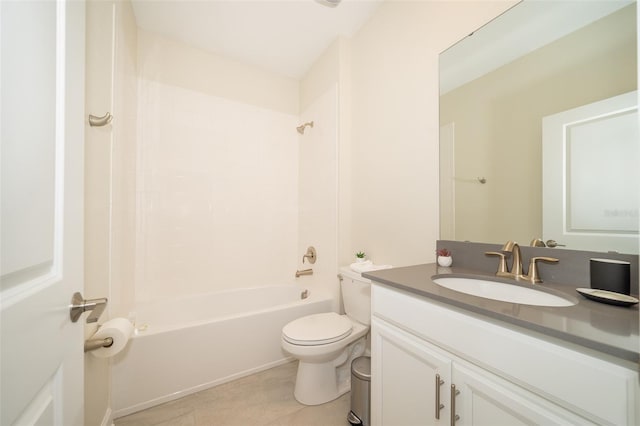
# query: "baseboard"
107,420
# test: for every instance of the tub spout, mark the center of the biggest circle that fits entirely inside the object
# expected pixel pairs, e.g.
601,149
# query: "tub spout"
304,272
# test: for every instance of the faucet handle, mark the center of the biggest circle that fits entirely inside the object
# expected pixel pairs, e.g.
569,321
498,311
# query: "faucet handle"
537,242
502,266
310,254
534,276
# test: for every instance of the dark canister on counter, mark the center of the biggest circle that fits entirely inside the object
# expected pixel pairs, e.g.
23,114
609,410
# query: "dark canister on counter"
611,275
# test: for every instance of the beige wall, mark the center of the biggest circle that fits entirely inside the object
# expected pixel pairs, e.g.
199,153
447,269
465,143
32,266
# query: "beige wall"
394,119
498,124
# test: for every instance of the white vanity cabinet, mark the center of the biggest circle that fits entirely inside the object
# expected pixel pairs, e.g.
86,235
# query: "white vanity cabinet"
501,376
413,377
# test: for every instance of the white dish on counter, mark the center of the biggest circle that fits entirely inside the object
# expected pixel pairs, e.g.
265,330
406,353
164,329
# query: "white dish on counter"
609,297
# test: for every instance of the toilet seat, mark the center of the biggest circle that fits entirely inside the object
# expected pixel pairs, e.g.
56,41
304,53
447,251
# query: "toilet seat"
317,329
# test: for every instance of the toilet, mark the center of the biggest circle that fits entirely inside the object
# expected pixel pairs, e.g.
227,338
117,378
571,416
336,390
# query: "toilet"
326,343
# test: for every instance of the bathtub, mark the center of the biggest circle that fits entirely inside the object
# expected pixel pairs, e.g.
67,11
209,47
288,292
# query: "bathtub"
190,344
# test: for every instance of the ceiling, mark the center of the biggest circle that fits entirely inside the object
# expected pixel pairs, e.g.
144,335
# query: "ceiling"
282,36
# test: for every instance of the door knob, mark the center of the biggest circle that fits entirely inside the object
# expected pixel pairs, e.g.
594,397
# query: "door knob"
79,305
554,243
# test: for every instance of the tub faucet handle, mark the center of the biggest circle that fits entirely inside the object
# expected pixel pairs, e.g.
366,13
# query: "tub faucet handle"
310,254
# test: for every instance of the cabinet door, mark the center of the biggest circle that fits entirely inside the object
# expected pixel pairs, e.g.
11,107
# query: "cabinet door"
486,399
403,379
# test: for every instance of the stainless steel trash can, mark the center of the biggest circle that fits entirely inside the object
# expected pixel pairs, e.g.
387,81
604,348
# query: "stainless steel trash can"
360,391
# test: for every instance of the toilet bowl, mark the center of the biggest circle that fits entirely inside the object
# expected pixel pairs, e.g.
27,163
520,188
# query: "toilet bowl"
326,343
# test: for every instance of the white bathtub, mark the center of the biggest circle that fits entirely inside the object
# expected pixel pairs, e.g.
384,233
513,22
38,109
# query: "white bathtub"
198,342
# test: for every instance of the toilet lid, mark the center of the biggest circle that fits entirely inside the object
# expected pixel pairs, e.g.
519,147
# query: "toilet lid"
317,329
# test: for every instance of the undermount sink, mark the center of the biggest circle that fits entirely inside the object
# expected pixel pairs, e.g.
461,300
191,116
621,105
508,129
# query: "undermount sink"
502,291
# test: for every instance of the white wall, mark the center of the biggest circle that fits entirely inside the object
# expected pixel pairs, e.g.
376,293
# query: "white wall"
217,181
394,119
322,185
318,192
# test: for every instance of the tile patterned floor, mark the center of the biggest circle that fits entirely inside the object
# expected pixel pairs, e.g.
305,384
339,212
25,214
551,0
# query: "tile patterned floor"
262,399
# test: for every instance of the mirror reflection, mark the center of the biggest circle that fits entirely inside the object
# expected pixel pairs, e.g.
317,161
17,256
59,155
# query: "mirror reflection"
539,128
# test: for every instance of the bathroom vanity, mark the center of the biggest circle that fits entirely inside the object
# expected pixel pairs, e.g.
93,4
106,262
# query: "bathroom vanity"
445,357
440,356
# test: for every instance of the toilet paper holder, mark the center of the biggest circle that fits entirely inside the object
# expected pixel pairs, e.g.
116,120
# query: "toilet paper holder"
110,338
93,344
79,305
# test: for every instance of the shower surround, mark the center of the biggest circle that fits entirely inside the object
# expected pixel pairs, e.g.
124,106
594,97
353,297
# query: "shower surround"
218,193
217,176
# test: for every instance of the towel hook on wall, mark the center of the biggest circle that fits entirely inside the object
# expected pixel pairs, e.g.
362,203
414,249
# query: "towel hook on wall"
95,121
301,128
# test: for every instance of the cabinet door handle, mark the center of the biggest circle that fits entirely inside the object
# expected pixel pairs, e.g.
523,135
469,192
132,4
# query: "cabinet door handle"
454,416
439,406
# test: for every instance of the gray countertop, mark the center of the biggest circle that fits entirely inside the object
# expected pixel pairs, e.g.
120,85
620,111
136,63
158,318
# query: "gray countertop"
605,328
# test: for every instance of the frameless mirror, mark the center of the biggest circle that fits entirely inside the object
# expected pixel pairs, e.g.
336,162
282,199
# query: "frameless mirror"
539,128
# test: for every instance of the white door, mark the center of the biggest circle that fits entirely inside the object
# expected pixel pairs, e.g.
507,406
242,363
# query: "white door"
41,213
591,179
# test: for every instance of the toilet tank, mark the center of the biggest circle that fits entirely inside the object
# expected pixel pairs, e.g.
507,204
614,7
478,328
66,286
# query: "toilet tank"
356,295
